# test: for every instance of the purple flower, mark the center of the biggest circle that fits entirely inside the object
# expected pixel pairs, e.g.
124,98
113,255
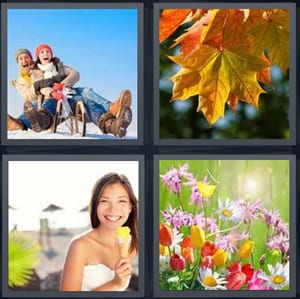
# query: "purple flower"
271,217
177,218
229,242
280,242
282,228
211,222
173,178
251,210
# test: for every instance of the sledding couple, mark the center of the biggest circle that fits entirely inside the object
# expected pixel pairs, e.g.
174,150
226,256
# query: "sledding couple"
46,78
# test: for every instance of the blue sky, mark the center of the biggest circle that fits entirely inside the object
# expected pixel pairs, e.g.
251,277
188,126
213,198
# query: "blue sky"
99,43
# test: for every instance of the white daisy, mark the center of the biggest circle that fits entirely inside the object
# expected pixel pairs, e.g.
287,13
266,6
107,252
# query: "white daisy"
177,239
164,262
211,281
230,211
279,276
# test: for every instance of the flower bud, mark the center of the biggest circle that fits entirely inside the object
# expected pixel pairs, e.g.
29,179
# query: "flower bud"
235,280
165,235
246,249
188,254
197,236
177,262
220,257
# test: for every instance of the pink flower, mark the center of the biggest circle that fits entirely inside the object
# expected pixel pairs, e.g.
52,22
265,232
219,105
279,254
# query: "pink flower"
257,283
235,280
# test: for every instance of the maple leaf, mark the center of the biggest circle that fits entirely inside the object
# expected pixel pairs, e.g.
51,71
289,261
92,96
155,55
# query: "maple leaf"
190,40
232,101
186,84
226,28
270,30
170,19
221,73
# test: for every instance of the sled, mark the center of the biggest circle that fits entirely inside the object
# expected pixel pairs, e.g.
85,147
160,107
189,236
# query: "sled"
75,122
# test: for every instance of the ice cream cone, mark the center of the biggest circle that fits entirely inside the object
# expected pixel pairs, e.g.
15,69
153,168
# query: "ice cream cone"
124,240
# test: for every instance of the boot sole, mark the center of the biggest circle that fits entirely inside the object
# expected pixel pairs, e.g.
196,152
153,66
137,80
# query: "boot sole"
13,124
32,115
125,117
125,101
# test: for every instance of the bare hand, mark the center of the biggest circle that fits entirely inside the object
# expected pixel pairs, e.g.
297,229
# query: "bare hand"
122,272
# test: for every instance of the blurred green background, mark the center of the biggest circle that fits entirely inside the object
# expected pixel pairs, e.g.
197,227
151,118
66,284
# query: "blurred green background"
179,119
267,180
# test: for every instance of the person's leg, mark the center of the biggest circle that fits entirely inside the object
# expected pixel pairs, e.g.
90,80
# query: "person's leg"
19,123
90,94
41,119
50,105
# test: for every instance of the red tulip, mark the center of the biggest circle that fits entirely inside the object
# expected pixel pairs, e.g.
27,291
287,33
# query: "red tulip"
165,235
177,262
235,280
208,248
235,266
186,242
248,271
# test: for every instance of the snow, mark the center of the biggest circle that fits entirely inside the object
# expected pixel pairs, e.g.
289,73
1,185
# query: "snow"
92,132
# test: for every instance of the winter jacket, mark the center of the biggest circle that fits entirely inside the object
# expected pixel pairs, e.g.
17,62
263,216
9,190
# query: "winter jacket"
26,91
66,75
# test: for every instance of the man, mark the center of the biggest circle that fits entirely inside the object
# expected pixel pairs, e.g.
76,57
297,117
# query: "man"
113,120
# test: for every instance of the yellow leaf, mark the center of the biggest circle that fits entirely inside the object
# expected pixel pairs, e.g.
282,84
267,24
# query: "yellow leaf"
206,190
270,29
186,84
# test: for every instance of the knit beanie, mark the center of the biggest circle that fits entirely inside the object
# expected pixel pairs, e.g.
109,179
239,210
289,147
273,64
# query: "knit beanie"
22,51
40,48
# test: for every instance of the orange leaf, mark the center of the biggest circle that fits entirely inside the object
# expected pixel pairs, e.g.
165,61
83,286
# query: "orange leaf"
232,101
170,19
191,39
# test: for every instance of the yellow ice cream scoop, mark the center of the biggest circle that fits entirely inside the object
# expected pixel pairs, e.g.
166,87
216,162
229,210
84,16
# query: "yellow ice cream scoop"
123,234
124,239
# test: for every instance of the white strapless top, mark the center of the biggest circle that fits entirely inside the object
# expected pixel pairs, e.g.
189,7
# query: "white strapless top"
96,275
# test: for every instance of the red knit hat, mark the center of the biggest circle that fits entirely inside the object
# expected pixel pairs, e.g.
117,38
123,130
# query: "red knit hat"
40,48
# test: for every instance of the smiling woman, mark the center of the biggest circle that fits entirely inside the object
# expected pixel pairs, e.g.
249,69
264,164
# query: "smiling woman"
101,258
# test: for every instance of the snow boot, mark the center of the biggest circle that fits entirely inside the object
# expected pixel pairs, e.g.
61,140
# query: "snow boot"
123,101
14,124
110,124
39,119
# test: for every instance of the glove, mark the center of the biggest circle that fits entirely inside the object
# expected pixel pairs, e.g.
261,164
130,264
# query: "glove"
58,86
57,95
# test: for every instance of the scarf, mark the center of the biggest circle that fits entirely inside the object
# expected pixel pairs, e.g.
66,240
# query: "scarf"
48,69
26,76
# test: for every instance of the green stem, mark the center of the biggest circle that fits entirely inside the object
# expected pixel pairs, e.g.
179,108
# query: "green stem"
212,176
224,230
196,269
181,204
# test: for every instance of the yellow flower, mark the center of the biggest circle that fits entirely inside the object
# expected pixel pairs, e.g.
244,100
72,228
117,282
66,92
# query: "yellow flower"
163,250
197,236
246,249
206,190
220,257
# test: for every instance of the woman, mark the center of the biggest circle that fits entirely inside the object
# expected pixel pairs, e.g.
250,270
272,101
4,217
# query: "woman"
94,261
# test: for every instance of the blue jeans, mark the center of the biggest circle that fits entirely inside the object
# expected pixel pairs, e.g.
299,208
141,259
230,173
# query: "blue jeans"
48,104
94,104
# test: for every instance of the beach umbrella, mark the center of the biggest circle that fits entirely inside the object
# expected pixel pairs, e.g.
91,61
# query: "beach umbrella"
85,209
52,208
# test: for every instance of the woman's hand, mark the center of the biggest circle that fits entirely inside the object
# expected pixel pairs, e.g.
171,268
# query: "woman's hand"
122,272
